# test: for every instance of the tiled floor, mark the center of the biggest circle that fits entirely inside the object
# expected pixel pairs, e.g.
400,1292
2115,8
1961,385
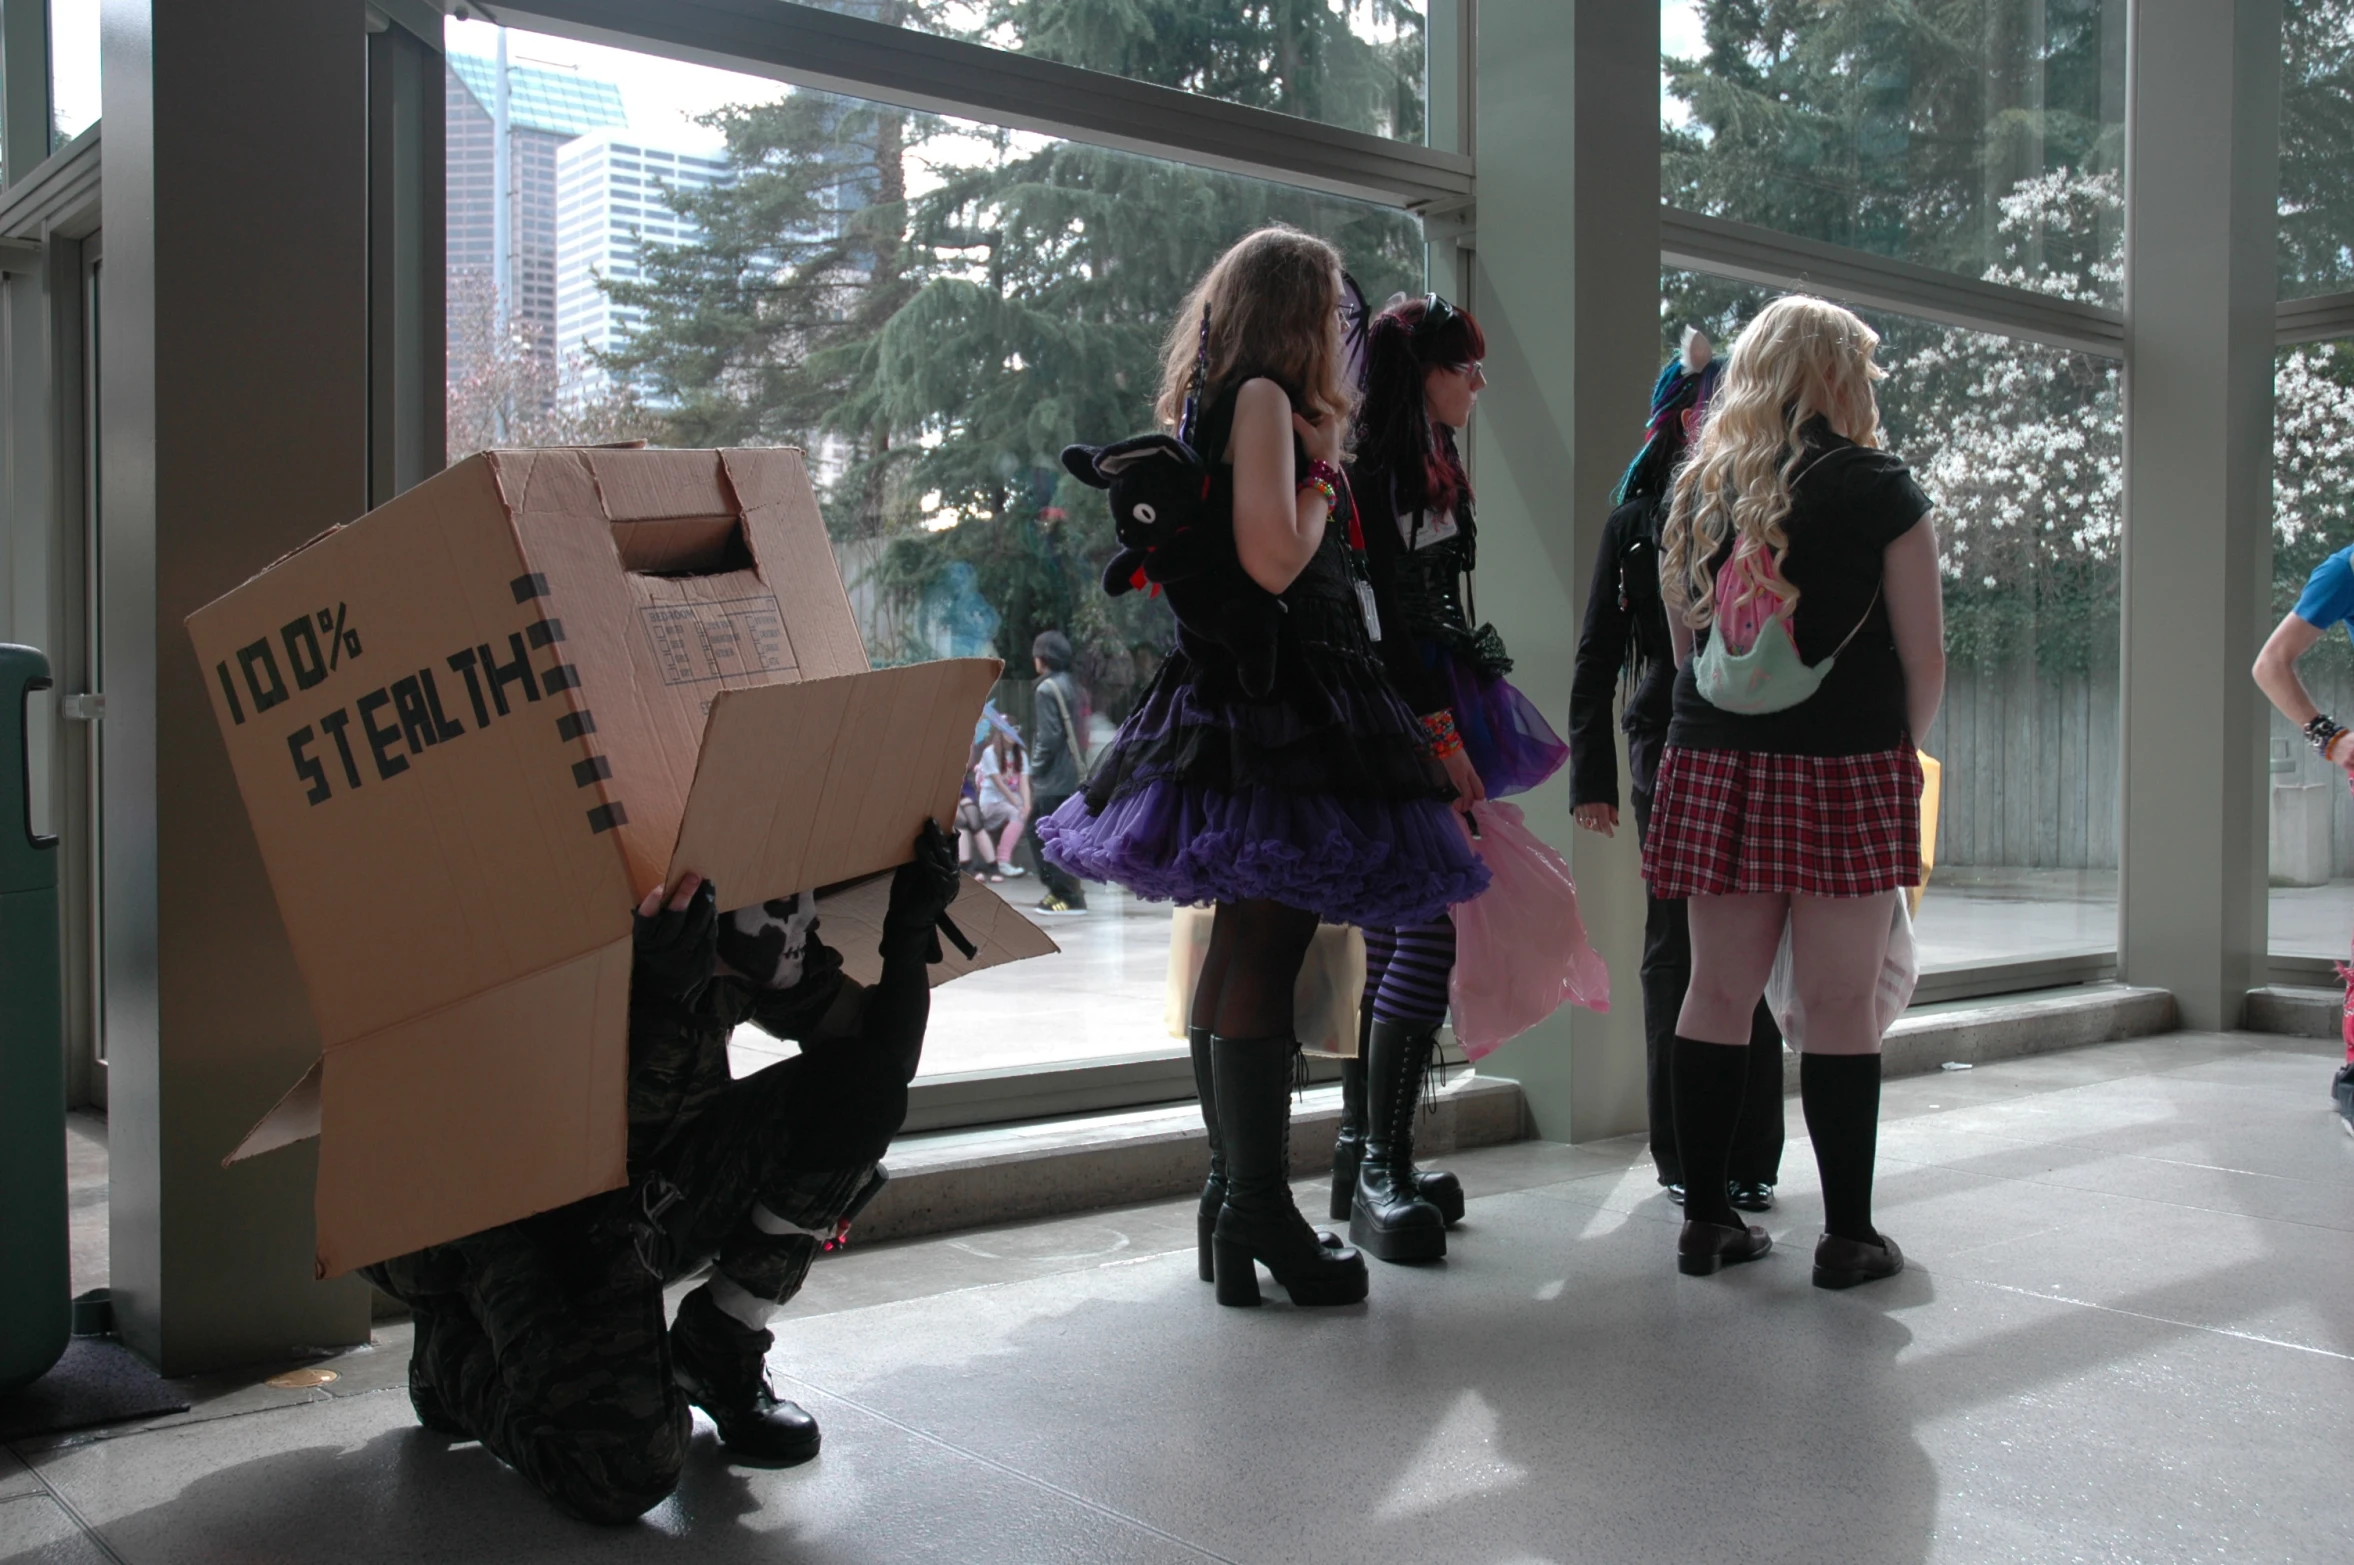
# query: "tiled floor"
2128,1334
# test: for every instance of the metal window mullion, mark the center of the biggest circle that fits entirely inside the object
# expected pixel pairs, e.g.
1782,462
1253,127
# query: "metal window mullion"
1748,253
2318,319
914,70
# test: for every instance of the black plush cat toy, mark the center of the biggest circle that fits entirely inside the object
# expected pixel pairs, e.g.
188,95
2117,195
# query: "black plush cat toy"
1168,545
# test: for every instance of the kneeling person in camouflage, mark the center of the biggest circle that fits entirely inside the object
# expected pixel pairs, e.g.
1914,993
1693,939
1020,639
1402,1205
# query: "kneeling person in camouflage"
545,1338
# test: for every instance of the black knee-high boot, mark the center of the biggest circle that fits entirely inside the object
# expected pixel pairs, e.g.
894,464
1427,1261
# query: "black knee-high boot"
1259,1221
1205,1082
1841,1096
1348,1143
1710,1081
1387,1213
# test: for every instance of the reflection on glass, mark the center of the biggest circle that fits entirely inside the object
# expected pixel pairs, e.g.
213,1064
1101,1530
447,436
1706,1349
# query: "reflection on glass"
1932,134
1357,64
932,309
2316,128
2312,836
73,68
2021,448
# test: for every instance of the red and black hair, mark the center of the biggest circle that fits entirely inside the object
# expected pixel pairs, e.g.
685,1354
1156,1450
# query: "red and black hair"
1394,430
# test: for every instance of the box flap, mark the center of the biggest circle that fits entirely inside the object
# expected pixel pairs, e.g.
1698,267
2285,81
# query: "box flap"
850,919
828,780
295,1118
509,1103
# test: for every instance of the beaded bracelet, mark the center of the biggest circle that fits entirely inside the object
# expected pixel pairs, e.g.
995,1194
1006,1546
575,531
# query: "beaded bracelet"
2322,732
1440,739
1325,479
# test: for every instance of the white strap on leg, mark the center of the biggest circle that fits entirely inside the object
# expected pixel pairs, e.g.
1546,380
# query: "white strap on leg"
769,1223
741,1304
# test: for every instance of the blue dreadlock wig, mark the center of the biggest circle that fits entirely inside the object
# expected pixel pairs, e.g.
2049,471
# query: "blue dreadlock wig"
1682,389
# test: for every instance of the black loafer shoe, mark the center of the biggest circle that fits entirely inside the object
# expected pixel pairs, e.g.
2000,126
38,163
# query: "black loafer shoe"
1703,1248
1843,1263
1750,1195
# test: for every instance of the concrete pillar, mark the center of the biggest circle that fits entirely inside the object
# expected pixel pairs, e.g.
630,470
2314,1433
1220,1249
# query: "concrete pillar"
235,423
2202,151
1566,281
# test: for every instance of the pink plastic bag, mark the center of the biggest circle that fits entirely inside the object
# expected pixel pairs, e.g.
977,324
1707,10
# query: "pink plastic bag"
1520,947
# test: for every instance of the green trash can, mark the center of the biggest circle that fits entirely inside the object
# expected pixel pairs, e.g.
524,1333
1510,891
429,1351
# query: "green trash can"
36,1310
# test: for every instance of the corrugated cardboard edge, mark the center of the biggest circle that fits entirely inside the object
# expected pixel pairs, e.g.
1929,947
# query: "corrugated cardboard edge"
850,919
295,1117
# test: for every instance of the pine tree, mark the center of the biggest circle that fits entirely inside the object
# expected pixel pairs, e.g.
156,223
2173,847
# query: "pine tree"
938,309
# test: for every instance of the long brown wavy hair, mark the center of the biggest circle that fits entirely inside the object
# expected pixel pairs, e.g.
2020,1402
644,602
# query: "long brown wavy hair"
1274,303
1800,359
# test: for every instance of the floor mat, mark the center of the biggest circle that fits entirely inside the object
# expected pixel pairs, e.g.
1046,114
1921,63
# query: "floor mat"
97,1382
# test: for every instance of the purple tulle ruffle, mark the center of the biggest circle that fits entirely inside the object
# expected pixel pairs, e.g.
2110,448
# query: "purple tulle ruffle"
1373,862
1510,744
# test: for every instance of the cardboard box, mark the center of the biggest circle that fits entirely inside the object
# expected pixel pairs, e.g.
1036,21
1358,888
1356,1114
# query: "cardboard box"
475,726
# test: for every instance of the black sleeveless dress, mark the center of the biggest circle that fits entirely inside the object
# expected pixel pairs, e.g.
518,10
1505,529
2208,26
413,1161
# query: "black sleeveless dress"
1316,795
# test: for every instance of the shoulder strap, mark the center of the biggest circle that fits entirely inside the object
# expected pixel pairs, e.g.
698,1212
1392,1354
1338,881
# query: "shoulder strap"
1071,735
1861,623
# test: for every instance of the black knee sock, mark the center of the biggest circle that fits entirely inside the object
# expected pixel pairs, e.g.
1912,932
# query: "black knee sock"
1710,1082
1841,1095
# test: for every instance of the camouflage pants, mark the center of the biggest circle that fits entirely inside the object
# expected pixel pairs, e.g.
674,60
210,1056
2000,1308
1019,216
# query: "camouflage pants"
545,1339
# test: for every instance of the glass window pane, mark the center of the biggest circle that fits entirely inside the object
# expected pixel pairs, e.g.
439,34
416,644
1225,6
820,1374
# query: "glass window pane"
932,309
1946,135
2312,838
73,68
1357,64
2316,128
2020,446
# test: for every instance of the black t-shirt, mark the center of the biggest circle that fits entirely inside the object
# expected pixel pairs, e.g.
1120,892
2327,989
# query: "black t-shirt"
1849,504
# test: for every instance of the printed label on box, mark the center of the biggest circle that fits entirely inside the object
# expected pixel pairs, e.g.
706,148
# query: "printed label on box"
696,642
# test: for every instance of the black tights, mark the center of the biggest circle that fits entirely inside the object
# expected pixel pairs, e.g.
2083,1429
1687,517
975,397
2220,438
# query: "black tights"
1252,966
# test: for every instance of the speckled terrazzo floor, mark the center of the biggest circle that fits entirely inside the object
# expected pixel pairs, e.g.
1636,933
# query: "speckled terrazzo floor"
2128,1334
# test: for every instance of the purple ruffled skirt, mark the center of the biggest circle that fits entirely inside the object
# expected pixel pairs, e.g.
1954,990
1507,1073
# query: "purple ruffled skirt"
1316,798
1509,742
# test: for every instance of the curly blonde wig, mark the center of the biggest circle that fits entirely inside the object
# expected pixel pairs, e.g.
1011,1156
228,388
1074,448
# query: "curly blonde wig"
1800,359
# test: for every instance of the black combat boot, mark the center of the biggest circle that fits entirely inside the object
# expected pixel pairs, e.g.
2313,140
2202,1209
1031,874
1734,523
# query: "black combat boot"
1386,1214
1259,1221
721,1364
1435,1185
1348,1144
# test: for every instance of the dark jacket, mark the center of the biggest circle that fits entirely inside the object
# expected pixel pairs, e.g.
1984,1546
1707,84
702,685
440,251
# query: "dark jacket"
1624,639
1411,671
1054,749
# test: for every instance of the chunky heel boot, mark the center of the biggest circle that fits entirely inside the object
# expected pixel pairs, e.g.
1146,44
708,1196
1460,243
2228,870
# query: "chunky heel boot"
1259,1223
1197,1042
1386,1215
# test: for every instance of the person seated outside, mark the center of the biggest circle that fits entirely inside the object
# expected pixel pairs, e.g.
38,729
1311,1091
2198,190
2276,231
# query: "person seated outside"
2327,602
1001,805
545,1339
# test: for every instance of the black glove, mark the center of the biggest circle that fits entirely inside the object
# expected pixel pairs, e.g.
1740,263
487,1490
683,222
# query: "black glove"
678,951
921,891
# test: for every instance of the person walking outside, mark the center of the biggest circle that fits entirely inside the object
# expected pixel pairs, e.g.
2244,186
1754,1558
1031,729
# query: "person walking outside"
1804,605
2327,602
1623,647
1311,796
1056,758
1422,379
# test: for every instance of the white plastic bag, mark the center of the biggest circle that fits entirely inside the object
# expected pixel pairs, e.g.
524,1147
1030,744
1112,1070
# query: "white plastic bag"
1900,974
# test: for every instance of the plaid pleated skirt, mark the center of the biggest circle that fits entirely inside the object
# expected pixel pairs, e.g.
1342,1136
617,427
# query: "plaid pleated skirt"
1736,822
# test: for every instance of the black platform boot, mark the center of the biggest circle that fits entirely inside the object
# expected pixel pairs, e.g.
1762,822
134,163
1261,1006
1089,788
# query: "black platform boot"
1435,1185
721,1364
1259,1221
1348,1143
1386,1215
